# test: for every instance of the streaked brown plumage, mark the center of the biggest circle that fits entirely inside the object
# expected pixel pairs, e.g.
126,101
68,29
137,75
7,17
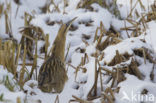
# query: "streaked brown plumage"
52,75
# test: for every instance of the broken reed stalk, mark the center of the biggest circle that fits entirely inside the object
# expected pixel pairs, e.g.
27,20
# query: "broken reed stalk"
135,69
29,33
86,58
82,61
71,66
141,5
13,61
56,7
101,83
64,6
137,31
9,18
114,78
80,100
132,8
86,43
102,32
130,28
16,59
104,44
95,37
22,71
76,71
110,92
106,96
144,53
101,56
106,70
18,100
126,29
17,10
1,9
118,57
143,21
96,77
18,54
134,23
94,87
27,19
116,60
57,99
102,28
117,74
34,61
120,75
150,57
99,70
137,14
7,56
99,40
152,75
27,36
8,25
9,52
7,30
46,45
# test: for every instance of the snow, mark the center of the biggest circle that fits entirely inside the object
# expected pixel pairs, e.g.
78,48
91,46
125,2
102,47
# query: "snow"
126,5
131,90
9,95
91,49
150,38
80,84
90,78
126,46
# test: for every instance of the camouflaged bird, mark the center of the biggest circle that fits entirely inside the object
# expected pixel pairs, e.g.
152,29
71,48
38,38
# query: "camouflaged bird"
52,75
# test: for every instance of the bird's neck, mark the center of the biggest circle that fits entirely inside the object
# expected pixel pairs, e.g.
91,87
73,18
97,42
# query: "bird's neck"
59,48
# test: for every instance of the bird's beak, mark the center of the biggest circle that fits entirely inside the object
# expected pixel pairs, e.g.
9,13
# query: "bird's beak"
68,24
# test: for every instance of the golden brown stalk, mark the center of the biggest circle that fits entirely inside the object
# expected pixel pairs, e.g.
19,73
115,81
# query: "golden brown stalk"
52,75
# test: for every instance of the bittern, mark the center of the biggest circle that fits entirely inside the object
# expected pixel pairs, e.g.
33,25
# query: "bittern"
52,75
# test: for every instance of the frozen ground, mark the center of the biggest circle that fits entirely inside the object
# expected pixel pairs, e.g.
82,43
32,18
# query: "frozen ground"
81,84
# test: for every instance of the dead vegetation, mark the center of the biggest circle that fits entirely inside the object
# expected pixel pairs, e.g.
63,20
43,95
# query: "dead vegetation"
11,53
8,58
119,62
109,5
